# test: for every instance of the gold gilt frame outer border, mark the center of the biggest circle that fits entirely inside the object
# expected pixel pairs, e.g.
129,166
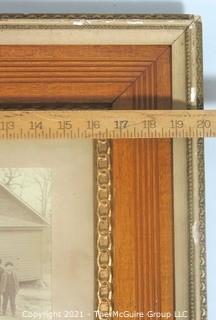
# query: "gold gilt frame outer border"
94,16
195,147
196,179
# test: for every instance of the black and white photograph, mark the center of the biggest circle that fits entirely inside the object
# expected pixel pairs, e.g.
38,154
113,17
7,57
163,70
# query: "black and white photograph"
47,230
25,241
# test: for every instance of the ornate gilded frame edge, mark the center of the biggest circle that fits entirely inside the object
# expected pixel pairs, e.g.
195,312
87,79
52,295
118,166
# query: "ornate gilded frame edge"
195,158
196,179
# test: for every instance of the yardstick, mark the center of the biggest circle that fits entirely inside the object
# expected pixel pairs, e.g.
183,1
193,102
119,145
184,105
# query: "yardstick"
107,124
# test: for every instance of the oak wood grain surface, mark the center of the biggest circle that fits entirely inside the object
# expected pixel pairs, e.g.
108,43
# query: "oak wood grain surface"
121,76
71,73
143,203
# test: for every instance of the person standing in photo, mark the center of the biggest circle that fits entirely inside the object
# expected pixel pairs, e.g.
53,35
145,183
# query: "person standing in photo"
1,273
9,288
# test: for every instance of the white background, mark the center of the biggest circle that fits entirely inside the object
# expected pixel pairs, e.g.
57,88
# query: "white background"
205,8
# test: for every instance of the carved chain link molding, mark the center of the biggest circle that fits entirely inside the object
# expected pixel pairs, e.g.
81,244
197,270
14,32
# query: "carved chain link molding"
104,229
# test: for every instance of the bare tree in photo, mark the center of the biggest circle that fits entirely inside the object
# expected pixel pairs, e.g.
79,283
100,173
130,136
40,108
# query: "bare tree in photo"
10,177
15,180
43,179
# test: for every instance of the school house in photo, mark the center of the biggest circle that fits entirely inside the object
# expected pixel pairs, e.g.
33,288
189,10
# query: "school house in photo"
23,233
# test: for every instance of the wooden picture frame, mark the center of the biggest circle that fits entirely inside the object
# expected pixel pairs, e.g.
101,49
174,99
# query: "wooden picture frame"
40,58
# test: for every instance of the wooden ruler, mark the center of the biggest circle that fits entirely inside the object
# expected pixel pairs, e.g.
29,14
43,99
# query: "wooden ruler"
107,124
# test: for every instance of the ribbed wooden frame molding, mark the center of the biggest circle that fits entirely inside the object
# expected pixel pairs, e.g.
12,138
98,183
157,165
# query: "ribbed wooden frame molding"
186,27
